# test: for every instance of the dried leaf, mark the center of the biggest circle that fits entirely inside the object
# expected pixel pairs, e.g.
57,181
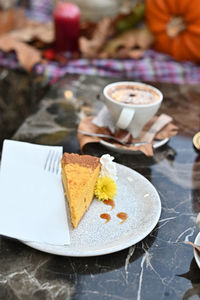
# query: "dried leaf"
124,135
130,44
35,31
87,125
10,19
135,54
91,48
87,29
145,38
130,19
27,55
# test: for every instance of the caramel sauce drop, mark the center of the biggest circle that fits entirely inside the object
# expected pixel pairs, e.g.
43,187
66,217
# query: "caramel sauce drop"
109,202
122,216
107,217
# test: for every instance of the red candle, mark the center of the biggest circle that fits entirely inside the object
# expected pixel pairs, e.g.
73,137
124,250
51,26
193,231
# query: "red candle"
67,26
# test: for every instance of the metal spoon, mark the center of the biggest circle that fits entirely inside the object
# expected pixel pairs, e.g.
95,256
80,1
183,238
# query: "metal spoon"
121,141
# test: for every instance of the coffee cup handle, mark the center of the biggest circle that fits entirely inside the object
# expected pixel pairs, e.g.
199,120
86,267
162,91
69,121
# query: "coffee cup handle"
125,118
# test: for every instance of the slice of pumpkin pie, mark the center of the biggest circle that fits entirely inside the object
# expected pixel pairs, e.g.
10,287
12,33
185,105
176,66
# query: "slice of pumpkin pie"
79,175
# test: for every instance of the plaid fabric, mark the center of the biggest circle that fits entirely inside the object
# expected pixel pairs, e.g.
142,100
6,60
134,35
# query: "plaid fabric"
152,66
40,10
9,60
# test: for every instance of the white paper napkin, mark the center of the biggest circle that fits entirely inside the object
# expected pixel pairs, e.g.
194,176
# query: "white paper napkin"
104,119
32,203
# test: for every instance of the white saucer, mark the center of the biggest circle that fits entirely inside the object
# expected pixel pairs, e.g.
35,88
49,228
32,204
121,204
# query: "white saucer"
196,255
157,144
136,196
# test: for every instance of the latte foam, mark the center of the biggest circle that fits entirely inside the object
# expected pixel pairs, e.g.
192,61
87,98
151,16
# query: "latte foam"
135,95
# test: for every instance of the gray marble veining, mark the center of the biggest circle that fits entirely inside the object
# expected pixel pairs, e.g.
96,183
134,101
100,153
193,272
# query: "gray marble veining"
161,266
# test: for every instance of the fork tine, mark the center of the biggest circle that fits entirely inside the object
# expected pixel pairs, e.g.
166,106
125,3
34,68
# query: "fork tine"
58,163
55,162
52,163
59,167
47,160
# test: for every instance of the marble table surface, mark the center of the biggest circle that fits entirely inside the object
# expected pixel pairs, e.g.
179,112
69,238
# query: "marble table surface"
159,267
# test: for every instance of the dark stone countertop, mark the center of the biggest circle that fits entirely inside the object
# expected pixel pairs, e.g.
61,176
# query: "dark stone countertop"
159,267
20,94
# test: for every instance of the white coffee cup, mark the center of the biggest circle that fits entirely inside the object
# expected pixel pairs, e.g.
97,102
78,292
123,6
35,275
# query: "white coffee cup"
132,117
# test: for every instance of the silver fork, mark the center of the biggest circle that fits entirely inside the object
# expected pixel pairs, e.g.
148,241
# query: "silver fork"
52,163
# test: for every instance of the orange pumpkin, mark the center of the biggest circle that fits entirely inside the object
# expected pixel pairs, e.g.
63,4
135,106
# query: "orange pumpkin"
176,27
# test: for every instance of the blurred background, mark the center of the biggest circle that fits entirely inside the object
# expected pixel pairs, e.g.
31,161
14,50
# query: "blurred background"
43,40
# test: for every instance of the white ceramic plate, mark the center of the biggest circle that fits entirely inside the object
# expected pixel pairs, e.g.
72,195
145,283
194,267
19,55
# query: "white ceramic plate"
196,255
121,150
136,196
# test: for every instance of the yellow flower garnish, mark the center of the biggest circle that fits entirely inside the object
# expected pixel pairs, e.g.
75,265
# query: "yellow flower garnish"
106,188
